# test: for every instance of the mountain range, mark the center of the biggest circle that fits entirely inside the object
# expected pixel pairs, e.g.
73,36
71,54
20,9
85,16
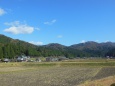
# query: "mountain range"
11,48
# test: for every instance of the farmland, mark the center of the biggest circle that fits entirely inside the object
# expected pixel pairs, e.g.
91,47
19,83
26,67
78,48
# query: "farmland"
67,73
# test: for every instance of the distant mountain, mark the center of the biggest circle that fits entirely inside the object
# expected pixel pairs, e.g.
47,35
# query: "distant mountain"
7,40
93,45
64,50
4,39
55,46
94,48
10,48
108,44
87,45
111,53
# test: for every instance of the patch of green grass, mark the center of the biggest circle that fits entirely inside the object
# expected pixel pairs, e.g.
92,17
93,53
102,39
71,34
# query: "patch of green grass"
87,64
90,60
48,64
36,64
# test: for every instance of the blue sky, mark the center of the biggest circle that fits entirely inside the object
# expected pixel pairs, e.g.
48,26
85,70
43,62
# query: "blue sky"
58,21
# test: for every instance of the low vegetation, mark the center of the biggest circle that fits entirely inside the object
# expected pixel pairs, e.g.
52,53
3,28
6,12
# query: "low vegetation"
55,73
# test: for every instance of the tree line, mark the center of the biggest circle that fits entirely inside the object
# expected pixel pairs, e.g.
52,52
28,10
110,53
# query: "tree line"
13,50
10,48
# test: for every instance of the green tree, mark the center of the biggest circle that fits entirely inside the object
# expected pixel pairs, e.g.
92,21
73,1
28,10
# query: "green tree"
1,53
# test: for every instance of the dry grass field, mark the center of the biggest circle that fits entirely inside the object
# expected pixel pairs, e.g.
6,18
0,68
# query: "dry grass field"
56,73
101,82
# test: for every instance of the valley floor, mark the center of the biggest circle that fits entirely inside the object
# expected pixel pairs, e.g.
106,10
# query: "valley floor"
15,74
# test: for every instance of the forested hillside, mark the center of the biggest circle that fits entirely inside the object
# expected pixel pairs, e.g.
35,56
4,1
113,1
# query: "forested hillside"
94,48
11,48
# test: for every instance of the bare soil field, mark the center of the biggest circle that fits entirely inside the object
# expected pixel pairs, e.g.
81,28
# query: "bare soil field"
15,74
109,81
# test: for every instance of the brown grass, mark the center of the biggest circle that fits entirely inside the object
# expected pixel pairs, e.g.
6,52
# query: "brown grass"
56,74
101,82
46,76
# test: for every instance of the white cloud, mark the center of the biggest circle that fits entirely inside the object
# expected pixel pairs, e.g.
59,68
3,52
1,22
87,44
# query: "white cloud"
36,43
107,41
2,12
37,28
15,23
17,28
97,41
83,41
51,22
59,36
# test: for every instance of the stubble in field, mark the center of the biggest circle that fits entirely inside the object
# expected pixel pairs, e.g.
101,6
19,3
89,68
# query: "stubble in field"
48,76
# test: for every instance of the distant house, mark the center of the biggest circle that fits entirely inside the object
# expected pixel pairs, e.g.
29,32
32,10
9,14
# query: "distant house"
22,58
19,59
51,59
6,60
62,58
38,60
